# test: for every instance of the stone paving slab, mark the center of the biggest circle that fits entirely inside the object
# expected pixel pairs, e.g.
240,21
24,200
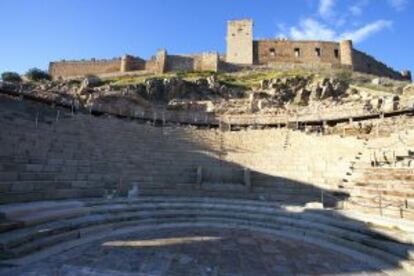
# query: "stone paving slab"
194,251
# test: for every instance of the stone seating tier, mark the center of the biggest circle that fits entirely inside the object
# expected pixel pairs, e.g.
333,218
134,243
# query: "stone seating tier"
376,241
43,157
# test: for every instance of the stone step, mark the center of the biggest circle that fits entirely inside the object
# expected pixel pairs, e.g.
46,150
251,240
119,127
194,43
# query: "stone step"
369,191
289,198
8,225
54,194
308,232
39,244
17,211
248,210
9,176
37,185
50,215
243,213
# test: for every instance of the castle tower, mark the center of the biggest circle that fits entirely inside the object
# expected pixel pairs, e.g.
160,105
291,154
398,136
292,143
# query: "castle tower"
161,61
347,53
125,63
240,41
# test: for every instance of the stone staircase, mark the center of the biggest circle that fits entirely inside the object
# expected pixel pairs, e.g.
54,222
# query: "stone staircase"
380,183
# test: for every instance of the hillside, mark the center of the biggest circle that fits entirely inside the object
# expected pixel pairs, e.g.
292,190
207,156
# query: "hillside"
241,93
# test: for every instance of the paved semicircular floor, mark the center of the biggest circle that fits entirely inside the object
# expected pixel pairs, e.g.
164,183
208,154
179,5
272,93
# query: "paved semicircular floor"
197,252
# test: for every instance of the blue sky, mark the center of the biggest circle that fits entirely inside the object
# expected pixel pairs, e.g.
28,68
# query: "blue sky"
34,32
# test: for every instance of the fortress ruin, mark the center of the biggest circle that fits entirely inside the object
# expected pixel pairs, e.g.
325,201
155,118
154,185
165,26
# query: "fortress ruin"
242,52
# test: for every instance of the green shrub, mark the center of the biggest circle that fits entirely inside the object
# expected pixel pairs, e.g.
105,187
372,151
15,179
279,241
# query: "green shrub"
345,76
11,77
36,74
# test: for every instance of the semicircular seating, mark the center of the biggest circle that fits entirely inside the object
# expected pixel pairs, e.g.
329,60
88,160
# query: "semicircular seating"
57,226
62,178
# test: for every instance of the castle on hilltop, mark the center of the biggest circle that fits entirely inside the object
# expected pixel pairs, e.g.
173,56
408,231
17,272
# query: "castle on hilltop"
242,52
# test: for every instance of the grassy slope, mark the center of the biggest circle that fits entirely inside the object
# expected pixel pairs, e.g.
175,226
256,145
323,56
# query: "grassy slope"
250,79
246,79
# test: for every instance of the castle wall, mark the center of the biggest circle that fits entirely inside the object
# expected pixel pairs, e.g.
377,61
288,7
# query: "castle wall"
198,62
242,52
207,62
151,65
284,51
180,63
367,64
130,63
157,64
80,68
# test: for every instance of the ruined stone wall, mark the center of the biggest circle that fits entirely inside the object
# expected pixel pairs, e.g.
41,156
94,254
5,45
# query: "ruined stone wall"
207,62
180,63
151,65
367,64
130,63
197,62
157,64
284,51
66,69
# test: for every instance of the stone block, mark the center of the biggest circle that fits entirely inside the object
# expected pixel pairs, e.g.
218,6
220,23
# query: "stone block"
247,179
8,176
25,186
199,177
5,187
44,185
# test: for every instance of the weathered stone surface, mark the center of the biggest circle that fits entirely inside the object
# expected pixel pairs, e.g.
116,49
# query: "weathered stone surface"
302,90
377,81
196,252
91,81
199,106
408,90
327,91
302,97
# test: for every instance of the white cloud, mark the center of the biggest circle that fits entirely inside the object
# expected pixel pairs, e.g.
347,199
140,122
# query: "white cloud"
311,29
326,7
328,25
357,8
398,4
367,30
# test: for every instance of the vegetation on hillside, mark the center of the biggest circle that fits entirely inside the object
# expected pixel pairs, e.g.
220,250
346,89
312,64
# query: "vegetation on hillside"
246,79
11,77
36,74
